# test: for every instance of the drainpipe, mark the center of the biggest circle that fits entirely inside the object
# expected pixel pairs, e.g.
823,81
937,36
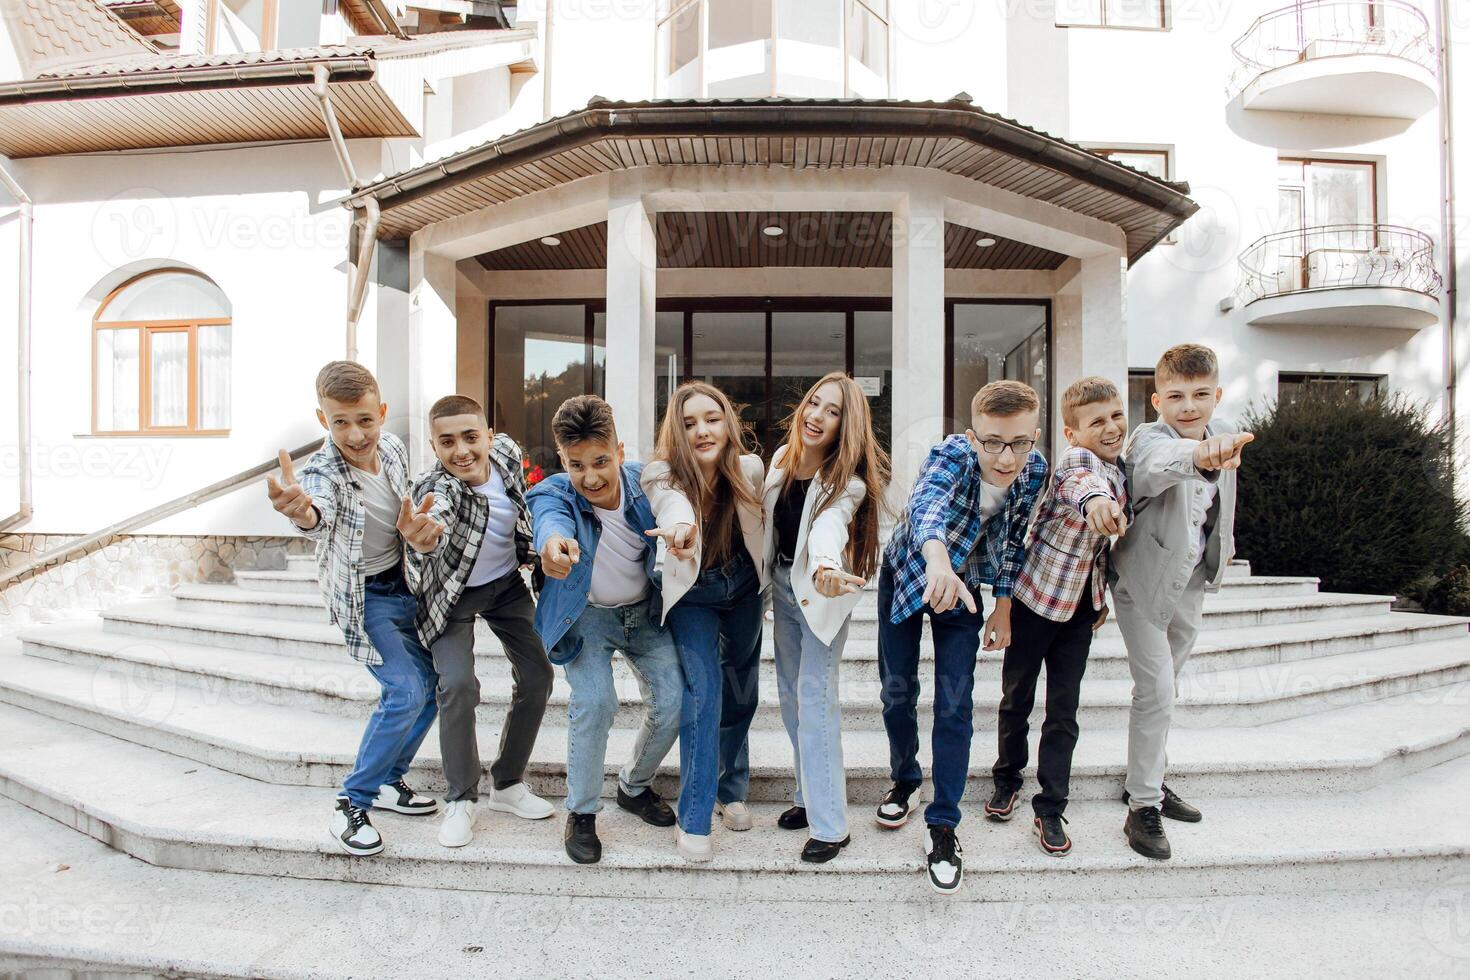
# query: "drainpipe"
1447,196
364,219
22,350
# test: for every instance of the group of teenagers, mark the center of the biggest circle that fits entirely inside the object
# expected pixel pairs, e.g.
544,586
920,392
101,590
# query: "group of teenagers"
670,563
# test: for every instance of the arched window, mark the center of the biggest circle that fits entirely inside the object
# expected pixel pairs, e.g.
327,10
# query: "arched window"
161,356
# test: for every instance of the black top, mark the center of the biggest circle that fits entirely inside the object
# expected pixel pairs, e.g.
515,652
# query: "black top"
789,506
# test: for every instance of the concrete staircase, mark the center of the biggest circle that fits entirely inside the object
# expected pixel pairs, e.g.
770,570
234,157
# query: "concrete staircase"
207,731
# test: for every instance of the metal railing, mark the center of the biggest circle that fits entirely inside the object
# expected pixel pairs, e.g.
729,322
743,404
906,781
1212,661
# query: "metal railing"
1314,29
1336,257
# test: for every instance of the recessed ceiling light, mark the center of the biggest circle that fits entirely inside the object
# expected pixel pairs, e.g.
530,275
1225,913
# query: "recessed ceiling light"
773,230
985,242
551,240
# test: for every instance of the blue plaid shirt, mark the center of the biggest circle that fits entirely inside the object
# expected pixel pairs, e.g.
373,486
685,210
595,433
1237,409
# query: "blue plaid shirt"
945,504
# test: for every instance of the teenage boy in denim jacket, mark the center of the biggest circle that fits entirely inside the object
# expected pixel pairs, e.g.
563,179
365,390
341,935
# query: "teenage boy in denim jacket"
591,525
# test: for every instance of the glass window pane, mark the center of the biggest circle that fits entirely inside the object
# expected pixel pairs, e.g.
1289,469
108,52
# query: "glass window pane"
880,7
678,54
539,362
117,380
1083,13
804,346
1133,13
214,377
668,357
1339,193
872,367
599,355
1140,402
867,53
809,53
729,352
167,296
993,341
738,55
1154,162
168,378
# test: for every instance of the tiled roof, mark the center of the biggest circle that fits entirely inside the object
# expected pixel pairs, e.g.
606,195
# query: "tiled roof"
51,33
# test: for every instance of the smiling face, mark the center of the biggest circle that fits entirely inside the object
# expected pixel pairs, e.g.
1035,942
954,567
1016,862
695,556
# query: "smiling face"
1100,427
462,443
354,427
595,469
1187,404
821,419
1001,469
706,429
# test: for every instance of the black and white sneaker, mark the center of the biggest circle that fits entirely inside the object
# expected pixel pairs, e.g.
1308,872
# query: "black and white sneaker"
353,831
943,850
400,798
894,811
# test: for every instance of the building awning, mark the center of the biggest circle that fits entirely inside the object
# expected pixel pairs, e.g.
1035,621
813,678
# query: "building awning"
952,136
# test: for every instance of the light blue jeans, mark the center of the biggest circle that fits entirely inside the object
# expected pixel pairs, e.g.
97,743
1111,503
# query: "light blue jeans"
806,680
650,652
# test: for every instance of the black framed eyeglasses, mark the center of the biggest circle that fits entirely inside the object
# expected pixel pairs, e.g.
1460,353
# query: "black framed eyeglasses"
997,446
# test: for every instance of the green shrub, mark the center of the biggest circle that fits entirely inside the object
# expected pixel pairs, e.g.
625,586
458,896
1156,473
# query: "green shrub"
1450,595
1358,493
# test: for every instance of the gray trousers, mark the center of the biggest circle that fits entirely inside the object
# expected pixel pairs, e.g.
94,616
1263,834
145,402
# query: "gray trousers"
506,606
1156,655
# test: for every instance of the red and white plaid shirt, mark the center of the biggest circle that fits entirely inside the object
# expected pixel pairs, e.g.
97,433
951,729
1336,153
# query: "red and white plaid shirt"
1061,550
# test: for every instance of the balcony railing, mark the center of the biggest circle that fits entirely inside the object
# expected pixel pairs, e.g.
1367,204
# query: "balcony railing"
1331,28
1336,257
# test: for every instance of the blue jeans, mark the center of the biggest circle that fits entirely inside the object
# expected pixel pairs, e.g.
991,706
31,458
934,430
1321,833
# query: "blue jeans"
649,650
956,636
717,626
806,680
406,707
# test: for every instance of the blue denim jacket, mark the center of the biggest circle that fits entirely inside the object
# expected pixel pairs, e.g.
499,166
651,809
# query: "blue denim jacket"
558,509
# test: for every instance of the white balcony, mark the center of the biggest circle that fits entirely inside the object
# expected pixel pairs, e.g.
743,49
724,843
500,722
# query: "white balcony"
1338,57
1368,275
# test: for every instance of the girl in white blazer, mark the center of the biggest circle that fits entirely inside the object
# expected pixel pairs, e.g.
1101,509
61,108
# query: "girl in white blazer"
822,499
705,497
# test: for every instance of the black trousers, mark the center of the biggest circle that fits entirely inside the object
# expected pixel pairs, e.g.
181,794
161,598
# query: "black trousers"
1063,648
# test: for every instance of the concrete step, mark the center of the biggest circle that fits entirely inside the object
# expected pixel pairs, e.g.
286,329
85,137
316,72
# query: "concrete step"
1238,696
291,581
177,813
1335,750
303,563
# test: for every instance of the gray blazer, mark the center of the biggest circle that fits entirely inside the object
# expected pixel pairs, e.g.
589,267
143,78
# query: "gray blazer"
1154,560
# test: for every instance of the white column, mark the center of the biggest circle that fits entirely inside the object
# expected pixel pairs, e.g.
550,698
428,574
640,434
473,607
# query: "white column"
632,261
1089,331
918,336
432,338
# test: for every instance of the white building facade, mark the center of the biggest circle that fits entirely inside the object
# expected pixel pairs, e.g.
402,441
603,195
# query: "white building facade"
617,195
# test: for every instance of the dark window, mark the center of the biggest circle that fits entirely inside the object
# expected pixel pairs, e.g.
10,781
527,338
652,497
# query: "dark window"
1365,386
1140,397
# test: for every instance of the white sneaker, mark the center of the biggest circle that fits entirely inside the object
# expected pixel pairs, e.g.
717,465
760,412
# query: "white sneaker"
736,816
695,847
458,827
400,797
352,830
518,799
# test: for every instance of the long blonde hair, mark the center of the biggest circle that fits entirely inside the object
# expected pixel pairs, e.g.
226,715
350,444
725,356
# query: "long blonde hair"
716,500
854,453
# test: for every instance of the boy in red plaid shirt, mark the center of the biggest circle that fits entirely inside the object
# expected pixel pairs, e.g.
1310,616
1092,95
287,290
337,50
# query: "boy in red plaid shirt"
1060,604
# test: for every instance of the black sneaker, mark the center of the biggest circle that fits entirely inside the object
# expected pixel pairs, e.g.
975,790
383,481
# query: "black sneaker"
649,807
1145,830
1174,808
581,838
1002,804
793,819
1051,835
894,811
353,831
398,797
821,851
943,850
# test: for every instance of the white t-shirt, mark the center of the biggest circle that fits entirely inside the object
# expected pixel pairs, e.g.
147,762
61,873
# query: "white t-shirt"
992,499
618,575
1205,502
497,555
380,548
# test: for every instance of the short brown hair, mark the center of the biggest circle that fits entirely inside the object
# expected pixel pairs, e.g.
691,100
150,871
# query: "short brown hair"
1186,361
346,381
456,405
1004,399
585,418
1086,391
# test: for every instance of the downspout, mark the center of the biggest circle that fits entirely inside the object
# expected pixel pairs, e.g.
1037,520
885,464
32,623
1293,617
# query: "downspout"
365,217
22,350
1447,198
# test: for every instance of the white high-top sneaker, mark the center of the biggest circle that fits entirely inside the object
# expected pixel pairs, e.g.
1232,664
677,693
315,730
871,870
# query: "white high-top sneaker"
517,798
400,797
352,830
458,827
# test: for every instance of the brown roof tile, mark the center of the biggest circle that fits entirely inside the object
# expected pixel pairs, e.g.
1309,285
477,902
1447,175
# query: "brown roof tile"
52,33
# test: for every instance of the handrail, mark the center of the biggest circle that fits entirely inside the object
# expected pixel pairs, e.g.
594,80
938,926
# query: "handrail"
1337,256
1312,29
100,539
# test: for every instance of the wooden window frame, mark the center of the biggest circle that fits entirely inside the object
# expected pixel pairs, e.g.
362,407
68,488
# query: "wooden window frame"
269,17
1102,16
146,329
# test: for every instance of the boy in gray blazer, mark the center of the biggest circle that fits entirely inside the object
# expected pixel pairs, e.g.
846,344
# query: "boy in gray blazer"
1181,480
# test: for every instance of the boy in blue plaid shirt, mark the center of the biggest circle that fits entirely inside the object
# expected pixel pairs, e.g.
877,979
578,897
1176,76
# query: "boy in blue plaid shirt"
352,501
963,528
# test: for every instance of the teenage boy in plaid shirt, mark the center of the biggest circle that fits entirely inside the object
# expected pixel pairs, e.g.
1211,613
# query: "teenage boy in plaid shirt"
477,536
1060,604
352,502
963,527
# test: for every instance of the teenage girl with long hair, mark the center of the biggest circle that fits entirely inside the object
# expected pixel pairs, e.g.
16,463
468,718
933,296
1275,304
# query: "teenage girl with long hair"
705,493
823,497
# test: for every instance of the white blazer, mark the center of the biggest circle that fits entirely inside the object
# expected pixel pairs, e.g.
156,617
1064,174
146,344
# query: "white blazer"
820,543
671,506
